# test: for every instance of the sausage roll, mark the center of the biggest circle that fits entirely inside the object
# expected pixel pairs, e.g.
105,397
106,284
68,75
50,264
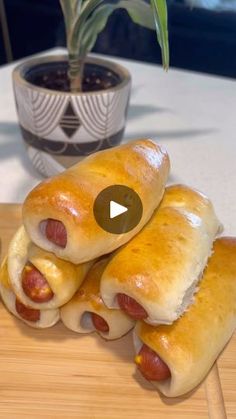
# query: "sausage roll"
58,213
177,357
86,311
154,276
38,278
31,316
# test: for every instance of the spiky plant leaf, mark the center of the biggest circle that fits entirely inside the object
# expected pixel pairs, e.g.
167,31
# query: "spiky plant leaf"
161,20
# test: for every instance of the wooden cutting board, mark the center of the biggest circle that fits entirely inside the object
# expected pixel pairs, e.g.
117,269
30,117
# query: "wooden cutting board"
55,373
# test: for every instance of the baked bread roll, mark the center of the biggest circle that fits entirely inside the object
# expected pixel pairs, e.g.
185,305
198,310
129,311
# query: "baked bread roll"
33,317
38,278
154,276
86,312
177,357
58,213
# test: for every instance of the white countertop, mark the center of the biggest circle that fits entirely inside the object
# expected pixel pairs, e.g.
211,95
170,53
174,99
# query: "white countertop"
192,115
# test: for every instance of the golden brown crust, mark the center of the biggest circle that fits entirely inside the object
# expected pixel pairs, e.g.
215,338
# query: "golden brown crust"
69,197
47,317
76,314
89,291
182,196
4,277
64,278
158,267
168,237
191,345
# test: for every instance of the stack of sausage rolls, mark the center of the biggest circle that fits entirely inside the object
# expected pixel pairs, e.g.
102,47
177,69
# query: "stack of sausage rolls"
163,278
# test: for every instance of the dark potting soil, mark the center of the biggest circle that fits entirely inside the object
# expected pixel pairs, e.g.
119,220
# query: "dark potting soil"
54,76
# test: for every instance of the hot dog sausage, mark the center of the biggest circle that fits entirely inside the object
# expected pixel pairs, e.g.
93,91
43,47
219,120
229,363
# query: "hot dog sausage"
35,286
29,314
56,232
151,365
131,307
99,323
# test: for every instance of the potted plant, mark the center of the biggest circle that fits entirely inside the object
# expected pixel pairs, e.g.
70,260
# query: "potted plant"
70,106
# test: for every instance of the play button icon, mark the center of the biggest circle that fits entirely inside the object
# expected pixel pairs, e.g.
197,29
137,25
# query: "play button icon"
118,209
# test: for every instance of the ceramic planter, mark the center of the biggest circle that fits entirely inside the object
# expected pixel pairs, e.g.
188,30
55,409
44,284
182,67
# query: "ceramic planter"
59,128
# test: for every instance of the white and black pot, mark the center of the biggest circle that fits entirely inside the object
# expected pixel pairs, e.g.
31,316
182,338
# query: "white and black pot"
60,127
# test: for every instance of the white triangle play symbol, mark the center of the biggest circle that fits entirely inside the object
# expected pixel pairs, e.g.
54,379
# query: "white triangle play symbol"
116,209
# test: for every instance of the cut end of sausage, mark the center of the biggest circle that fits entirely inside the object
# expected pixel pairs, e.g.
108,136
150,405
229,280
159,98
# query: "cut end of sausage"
35,286
131,307
151,365
27,313
55,232
99,323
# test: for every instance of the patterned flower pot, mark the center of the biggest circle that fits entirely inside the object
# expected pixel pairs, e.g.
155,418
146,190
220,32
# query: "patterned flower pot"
60,127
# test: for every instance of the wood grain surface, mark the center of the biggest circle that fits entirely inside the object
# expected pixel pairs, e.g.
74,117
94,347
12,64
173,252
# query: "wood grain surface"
55,373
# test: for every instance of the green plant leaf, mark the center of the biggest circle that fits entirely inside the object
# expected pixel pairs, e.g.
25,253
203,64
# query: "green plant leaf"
66,9
139,11
96,14
94,25
71,10
76,6
88,7
85,19
161,20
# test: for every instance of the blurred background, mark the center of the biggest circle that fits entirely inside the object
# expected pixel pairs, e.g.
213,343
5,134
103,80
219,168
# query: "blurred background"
202,34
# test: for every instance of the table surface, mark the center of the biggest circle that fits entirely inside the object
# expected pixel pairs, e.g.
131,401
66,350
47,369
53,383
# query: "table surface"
192,115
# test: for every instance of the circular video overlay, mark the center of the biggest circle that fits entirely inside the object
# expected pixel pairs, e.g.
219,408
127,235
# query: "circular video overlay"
118,209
